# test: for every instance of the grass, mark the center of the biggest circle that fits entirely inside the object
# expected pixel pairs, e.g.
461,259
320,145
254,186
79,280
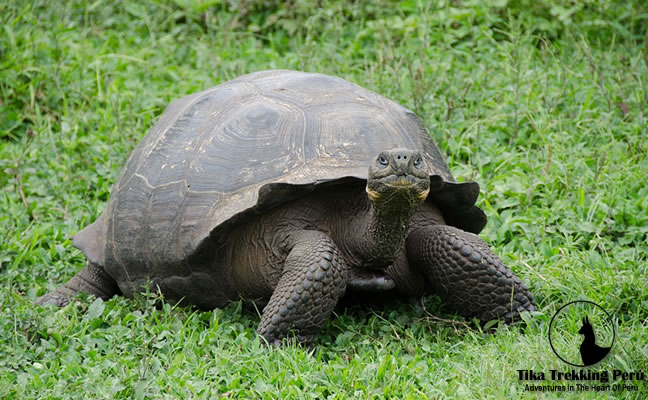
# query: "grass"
545,105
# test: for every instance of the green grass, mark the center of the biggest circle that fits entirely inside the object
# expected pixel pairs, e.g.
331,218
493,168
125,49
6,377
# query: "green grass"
544,104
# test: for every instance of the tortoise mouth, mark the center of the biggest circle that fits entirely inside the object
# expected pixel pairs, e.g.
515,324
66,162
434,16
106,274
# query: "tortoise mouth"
396,186
401,181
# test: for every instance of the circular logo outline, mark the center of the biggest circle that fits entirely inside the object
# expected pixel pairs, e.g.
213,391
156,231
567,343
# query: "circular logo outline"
551,324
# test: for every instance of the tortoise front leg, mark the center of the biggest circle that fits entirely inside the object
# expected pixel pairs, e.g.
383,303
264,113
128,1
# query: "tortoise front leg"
466,274
312,282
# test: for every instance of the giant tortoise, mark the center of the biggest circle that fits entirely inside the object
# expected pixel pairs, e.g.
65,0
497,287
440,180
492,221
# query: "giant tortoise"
292,188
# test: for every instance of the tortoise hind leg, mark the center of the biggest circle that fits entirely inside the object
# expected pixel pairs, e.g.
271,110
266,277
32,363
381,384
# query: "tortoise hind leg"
92,280
466,274
312,282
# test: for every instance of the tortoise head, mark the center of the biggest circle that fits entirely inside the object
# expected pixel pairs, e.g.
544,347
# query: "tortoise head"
400,177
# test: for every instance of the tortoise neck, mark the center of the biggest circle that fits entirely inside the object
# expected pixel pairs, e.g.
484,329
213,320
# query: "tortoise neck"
386,226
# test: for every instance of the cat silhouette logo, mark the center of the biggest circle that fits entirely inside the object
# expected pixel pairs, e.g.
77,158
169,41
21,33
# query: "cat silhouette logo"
581,333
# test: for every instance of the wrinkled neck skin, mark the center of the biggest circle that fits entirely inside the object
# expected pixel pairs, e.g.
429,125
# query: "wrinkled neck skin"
385,228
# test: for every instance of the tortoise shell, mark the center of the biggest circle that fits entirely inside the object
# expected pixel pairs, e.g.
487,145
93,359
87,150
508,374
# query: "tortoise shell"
243,147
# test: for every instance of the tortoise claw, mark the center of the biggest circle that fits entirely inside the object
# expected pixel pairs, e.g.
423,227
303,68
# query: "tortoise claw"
59,297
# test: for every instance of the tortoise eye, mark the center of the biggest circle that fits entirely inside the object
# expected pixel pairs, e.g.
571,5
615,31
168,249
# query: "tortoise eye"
418,161
382,160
